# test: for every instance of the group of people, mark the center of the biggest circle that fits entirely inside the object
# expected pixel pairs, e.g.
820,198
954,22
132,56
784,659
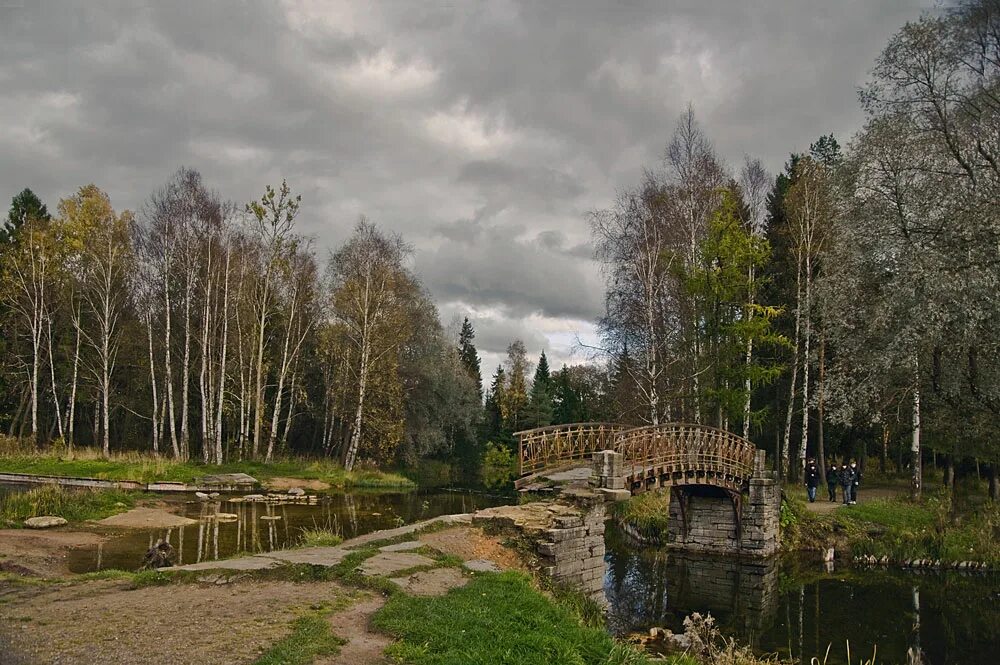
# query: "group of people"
847,475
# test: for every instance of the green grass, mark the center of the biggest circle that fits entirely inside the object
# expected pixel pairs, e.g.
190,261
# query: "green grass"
311,636
320,537
901,529
145,468
497,619
72,505
648,513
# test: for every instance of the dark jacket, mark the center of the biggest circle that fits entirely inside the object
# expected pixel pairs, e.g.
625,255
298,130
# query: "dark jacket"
847,476
857,475
832,475
812,476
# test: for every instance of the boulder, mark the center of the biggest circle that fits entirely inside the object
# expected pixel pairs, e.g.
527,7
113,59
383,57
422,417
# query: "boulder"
44,522
201,496
297,491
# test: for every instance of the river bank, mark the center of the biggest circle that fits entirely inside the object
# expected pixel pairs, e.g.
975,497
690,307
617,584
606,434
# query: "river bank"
322,474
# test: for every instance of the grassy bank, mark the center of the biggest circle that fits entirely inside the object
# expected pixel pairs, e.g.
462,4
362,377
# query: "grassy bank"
72,505
146,468
495,619
933,528
648,513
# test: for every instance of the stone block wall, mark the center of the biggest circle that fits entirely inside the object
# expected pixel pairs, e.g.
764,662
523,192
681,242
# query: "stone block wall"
572,551
711,523
762,515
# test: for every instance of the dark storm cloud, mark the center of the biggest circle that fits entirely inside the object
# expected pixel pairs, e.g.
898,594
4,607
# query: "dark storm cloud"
483,132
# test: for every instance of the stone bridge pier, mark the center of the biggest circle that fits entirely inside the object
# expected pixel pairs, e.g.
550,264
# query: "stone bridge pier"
565,532
706,517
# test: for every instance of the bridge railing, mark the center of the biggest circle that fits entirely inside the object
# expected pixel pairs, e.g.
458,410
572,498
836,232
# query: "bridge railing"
681,447
546,447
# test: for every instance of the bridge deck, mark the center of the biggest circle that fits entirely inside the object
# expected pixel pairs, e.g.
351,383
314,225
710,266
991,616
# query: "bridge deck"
656,456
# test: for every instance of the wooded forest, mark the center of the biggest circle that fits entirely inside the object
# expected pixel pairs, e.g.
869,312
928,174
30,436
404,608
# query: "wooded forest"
844,307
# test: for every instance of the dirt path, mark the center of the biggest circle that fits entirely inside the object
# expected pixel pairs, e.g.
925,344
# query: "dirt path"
824,506
106,622
364,647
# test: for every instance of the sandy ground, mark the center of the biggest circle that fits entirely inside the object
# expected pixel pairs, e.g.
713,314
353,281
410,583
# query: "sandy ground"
105,622
146,518
285,484
470,543
41,553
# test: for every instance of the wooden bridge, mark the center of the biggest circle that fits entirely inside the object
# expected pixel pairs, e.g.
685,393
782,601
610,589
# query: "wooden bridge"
667,455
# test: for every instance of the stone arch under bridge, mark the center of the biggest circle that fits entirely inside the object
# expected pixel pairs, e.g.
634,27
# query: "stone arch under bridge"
722,498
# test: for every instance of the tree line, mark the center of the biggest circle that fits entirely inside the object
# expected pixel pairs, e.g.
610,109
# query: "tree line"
198,328
846,306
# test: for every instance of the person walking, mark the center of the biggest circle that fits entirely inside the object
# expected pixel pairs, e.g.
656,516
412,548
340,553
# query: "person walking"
812,480
846,482
857,481
832,478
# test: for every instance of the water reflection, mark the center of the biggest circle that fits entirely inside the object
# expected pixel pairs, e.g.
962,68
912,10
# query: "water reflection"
797,609
260,527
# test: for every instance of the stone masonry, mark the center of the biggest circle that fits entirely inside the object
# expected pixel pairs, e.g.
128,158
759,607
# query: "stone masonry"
711,517
566,534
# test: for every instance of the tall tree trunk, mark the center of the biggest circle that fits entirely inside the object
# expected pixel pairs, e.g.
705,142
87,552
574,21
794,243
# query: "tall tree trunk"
152,382
258,386
71,417
748,361
786,444
52,375
186,369
222,362
282,371
820,385
916,480
203,387
355,443
168,365
807,337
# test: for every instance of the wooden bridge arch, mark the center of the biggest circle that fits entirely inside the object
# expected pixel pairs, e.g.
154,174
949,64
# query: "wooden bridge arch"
666,455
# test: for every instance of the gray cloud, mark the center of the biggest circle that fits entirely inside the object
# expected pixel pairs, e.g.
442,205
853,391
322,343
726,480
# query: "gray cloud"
482,132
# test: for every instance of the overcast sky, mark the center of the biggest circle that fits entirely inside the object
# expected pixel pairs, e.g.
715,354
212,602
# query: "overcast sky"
483,133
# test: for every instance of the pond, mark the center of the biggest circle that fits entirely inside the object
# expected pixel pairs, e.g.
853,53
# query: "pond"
255,530
795,608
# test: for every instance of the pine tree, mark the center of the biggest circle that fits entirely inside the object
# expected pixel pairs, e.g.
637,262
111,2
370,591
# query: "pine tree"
567,406
468,354
25,206
539,410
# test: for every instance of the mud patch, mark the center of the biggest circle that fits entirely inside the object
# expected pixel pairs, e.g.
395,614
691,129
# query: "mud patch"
41,553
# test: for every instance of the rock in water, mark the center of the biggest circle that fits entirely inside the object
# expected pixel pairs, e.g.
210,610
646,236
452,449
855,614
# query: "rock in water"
158,556
201,496
44,522
213,495
297,491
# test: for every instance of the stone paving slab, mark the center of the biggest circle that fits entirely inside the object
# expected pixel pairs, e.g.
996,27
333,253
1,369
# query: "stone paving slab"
316,556
388,534
405,546
482,566
570,475
242,563
388,563
436,582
